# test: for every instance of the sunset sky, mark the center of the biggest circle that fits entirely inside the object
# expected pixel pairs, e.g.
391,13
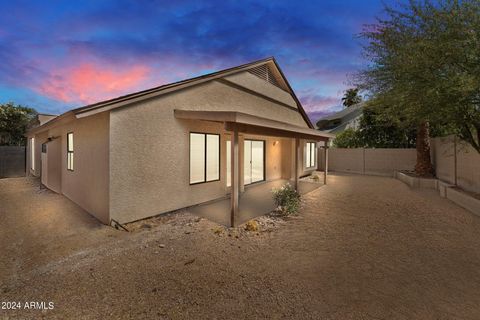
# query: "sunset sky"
56,55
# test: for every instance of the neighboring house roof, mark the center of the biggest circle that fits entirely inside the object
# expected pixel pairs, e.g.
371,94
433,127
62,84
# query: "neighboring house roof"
338,121
110,104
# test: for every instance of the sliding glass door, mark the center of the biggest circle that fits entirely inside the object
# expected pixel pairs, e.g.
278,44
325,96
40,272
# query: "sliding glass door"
254,161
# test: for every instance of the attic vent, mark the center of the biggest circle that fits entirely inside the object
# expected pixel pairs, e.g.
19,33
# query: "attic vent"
264,72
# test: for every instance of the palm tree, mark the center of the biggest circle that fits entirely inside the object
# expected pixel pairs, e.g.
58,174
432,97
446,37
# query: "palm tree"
351,97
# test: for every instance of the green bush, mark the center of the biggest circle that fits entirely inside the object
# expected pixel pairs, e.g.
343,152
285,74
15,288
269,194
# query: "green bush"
349,138
287,199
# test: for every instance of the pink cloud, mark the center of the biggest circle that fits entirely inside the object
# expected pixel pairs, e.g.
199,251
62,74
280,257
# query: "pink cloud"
89,82
313,102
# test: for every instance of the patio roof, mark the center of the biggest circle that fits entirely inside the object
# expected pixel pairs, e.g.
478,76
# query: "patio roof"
248,123
238,122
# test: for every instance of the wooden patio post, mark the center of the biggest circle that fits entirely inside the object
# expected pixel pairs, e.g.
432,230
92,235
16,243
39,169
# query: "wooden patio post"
234,177
325,164
297,165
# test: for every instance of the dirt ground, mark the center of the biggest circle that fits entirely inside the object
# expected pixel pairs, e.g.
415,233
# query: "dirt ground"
361,248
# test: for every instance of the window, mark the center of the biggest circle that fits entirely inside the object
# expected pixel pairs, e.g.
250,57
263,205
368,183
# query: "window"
70,151
229,163
204,157
32,153
310,154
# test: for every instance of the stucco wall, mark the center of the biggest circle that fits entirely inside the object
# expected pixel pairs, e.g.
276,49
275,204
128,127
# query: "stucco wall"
54,165
39,139
149,159
254,83
88,184
287,158
216,96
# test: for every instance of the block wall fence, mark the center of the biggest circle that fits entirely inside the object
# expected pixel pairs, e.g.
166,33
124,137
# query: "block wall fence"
455,161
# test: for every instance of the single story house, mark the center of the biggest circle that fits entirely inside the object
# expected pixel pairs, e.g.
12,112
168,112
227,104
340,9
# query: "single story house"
177,145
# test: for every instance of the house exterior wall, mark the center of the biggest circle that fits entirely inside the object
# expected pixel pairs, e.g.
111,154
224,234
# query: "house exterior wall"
54,165
39,139
287,155
216,96
254,83
149,149
88,184
273,156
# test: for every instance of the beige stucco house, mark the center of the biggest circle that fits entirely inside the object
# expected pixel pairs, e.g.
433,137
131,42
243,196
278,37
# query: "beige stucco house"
177,145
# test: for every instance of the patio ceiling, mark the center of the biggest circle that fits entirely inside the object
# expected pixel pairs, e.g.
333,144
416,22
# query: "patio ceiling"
247,123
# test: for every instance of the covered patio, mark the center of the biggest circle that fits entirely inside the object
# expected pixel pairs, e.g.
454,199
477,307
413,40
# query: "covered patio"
245,202
255,201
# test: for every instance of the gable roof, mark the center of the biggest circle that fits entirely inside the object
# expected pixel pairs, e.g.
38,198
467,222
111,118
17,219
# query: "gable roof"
345,112
114,103
338,120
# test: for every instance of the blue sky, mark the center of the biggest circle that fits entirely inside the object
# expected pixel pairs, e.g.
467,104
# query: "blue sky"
56,55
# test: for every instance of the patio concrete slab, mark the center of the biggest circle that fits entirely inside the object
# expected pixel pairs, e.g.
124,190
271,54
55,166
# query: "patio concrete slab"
256,201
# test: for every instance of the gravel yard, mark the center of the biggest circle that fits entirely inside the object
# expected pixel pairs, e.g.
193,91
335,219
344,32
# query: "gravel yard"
361,248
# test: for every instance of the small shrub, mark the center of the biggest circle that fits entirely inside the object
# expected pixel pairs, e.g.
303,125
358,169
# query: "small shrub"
287,199
315,177
251,225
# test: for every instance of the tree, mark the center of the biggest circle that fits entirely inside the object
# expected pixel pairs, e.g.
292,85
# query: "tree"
351,97
374,131
14,120
425,68
349,138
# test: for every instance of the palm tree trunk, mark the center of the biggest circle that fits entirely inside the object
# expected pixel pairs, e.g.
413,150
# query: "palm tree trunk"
424,166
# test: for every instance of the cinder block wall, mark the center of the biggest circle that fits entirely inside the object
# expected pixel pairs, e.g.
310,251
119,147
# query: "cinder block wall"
346,160
386,161
369,161
456,162
443,158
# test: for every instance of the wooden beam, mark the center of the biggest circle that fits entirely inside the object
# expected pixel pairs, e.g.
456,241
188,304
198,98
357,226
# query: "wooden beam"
297,161
264,131
325,164
234,178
